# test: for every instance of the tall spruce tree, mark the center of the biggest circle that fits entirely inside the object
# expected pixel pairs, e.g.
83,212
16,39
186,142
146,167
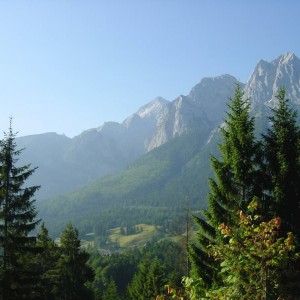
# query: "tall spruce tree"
17,220
149,280
282,159
72,270
138,289
111,293
282,167
236,182
46,261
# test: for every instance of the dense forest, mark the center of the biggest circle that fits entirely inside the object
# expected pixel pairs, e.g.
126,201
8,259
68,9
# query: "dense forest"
246,244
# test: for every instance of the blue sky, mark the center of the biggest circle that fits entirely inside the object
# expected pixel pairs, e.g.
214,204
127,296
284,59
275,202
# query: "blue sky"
67,66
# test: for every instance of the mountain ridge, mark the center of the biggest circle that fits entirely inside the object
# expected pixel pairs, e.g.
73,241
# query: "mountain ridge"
113,146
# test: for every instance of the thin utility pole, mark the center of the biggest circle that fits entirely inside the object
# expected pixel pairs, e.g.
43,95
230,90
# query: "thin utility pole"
187,224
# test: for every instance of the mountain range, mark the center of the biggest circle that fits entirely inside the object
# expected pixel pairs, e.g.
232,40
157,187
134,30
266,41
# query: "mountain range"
65,164
157,157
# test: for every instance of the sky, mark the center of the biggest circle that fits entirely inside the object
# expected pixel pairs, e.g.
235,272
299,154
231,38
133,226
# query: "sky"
70,65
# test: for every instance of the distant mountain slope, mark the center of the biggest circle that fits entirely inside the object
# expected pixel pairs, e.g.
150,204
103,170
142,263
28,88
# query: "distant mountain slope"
154,188
66,164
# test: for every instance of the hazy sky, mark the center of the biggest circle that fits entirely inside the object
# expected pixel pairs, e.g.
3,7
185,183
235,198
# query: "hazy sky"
67,66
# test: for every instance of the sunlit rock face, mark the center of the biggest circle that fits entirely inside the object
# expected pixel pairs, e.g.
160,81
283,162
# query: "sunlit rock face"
268,77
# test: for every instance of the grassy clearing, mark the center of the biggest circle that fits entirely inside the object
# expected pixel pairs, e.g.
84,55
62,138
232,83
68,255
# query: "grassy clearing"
148,233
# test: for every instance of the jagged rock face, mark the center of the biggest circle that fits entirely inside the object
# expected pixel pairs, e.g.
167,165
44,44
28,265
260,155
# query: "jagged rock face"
153,125
202,108
212,94
143,124
159,121
269,77
182,116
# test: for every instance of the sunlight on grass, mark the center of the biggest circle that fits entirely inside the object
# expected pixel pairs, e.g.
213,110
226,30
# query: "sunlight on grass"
148,232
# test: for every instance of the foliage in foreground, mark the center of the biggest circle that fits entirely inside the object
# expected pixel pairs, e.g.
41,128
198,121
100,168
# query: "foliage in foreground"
252,262
252,255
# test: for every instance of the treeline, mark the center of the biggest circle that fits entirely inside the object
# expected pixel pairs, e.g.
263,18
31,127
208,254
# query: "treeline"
248,243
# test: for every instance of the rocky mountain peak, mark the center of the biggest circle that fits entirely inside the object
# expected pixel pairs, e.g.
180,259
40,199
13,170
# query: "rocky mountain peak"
208,83
150,112
287,58
211,95
153,107
269,77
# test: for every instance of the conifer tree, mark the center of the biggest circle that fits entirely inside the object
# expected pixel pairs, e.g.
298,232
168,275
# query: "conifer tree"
282,159
138,288
156,280
282,167
236,182
46,261
236,171
111,292
72,270
17,220
148,282
254,259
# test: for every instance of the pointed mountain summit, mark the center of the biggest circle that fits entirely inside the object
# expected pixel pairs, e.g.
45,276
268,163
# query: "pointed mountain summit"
202,109
153,108
149,111
212,94
268,77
